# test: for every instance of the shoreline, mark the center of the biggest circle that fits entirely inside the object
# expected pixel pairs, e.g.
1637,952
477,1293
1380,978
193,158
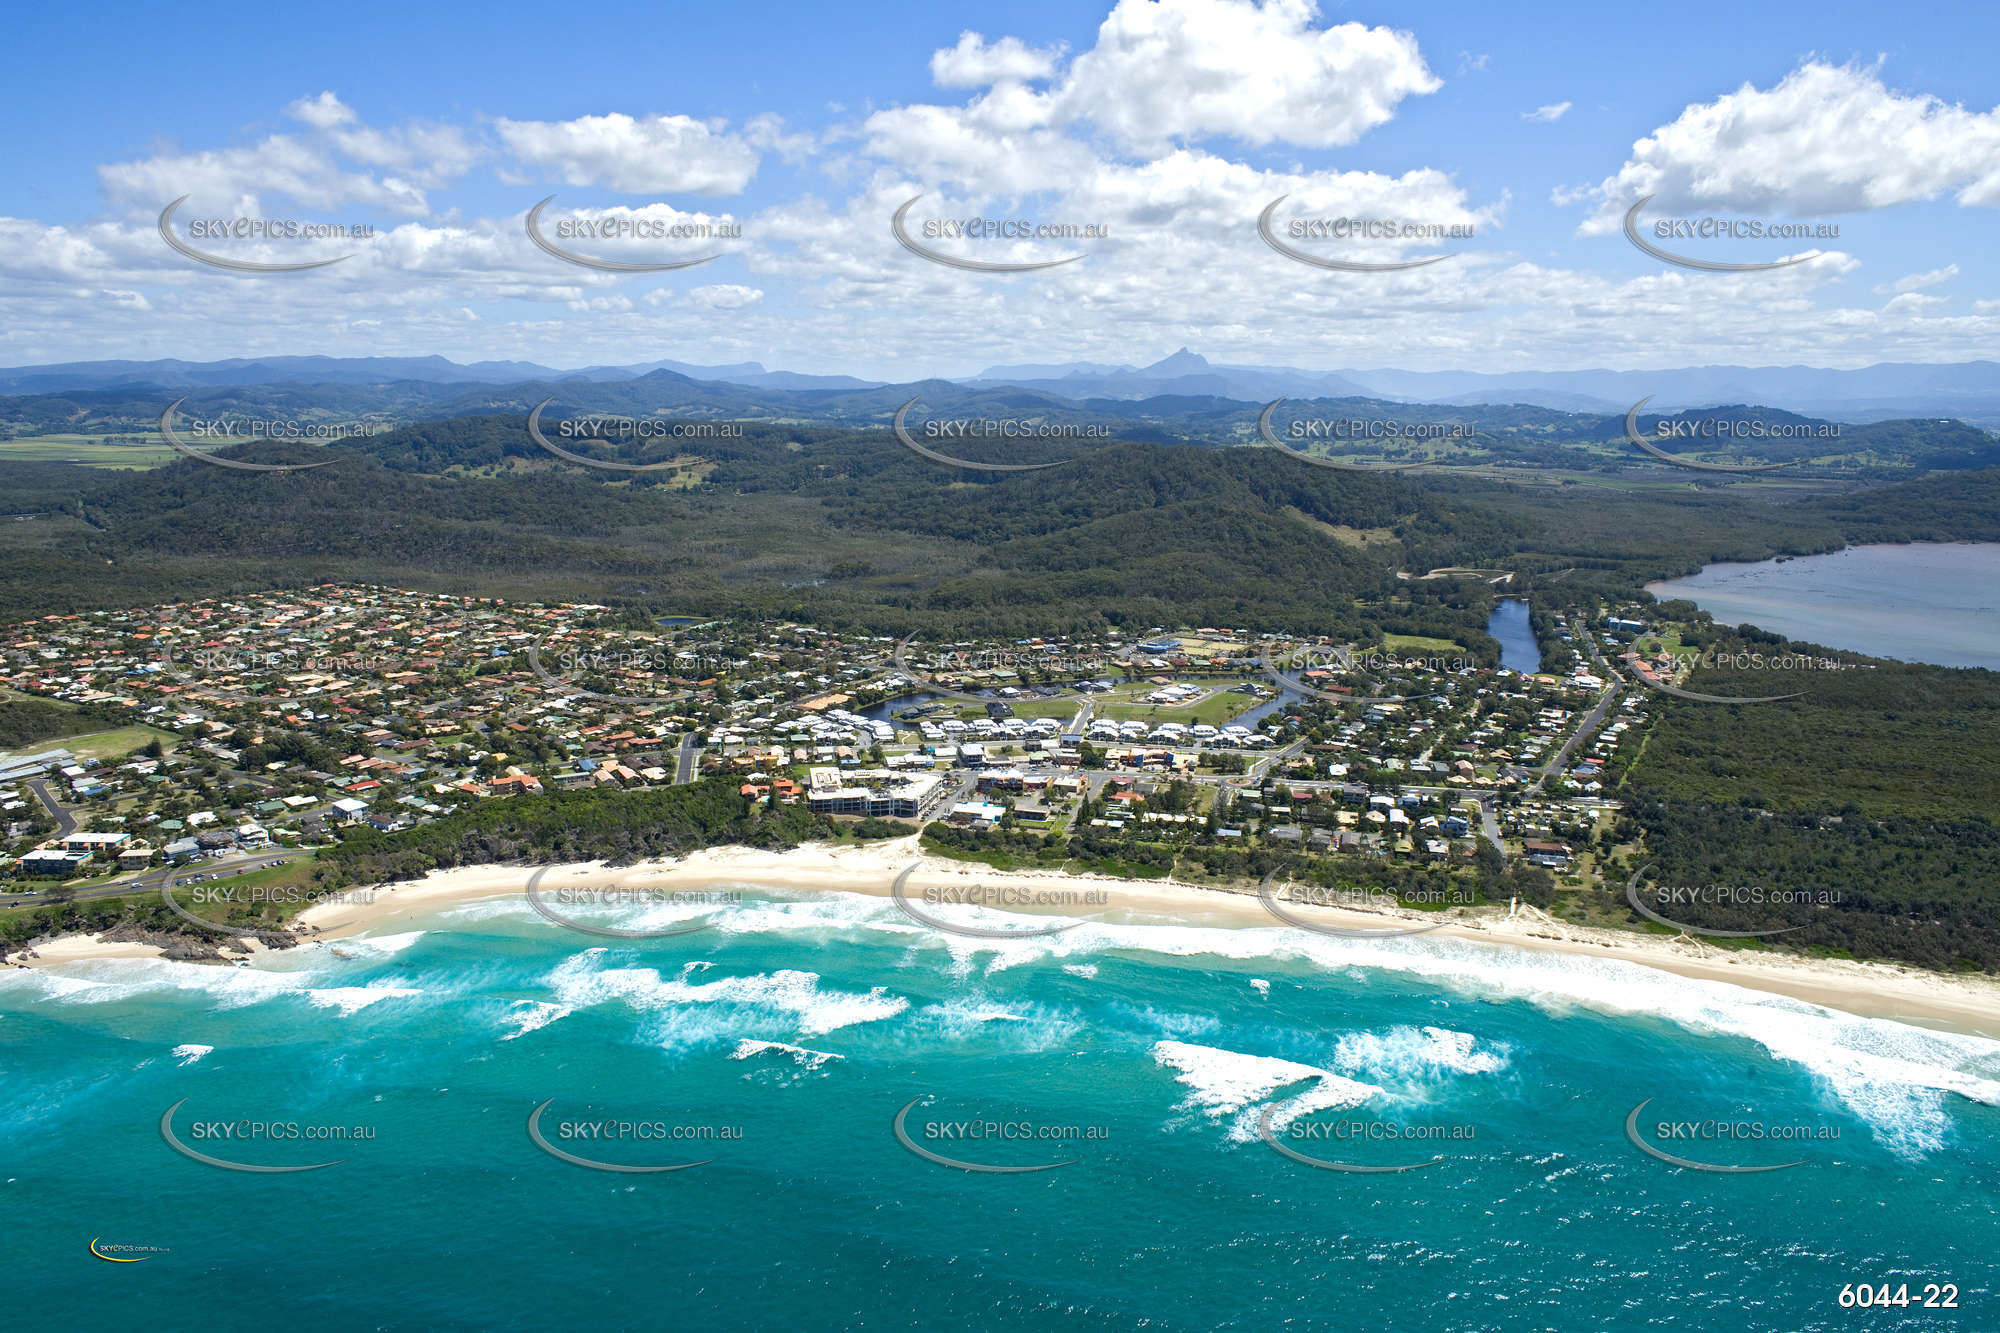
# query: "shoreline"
1870,990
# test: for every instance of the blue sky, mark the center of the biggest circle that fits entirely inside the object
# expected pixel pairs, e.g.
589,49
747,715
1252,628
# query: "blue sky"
1170,123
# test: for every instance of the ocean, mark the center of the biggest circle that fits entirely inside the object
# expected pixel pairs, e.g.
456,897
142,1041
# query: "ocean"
1169,1078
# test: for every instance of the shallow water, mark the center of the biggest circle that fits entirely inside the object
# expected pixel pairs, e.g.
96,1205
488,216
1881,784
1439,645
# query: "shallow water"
782,1041
1927,602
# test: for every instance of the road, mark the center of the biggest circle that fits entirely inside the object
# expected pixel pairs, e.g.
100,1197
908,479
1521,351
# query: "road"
684,770
1614,686
65,818
150,880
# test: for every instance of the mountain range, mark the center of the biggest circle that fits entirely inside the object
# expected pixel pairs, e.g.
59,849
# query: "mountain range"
1968,390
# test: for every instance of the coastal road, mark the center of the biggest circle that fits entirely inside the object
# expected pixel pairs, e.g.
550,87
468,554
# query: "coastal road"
150,880
684,769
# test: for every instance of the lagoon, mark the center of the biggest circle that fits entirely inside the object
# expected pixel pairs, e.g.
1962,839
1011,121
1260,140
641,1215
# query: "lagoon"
1934,602
1509,624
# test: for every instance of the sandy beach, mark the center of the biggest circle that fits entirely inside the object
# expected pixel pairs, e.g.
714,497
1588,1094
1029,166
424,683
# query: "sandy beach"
1874,990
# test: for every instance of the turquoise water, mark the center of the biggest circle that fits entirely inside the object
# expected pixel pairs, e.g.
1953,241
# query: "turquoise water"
1926,602
791,1033
1509,623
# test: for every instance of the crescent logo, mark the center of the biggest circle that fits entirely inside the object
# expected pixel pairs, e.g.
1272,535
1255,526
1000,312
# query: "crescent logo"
1270,901
902,660
548,913
621,1168
901,1127
1271,438
1632,897
1702,265
900,896
233,265
533,225
183,447
903,238
1632,435
1324,1164
903,436
167,1133
535,434
264,933
1632,1133
112,1258
1318,261
1646,679
1270,667
563,685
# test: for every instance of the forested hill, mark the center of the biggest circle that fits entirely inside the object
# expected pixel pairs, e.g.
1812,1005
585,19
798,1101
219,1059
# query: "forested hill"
854,530
850,528
1959,507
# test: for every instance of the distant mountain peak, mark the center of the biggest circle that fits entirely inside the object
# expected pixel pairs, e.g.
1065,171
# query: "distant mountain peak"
1182,362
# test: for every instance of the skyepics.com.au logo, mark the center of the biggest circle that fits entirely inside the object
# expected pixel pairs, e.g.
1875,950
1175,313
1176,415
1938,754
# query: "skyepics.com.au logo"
1355,1140
1010,232
588,908
1715,1135
623,226
1347,431
113,1253
210,905
1657,900
252,1136
942,669
638,433
1316,671
625,430
922,905
636,672
282,233
1009,431
1380,663
1657,672
328,431
1284,904
1015,1137
257,673
1382,234
1722,431
1685,231
609,1137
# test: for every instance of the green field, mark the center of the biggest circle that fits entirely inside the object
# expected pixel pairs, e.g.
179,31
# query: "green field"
1393,643
108,451
1214,710
114,744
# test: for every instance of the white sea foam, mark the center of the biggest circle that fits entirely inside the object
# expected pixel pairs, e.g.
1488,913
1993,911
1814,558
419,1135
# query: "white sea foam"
1019,1025
1221,1083
580,983
353,999
1892,1075
532,1016
190,1052
1261,986
379,945
1415,1053
801,1056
